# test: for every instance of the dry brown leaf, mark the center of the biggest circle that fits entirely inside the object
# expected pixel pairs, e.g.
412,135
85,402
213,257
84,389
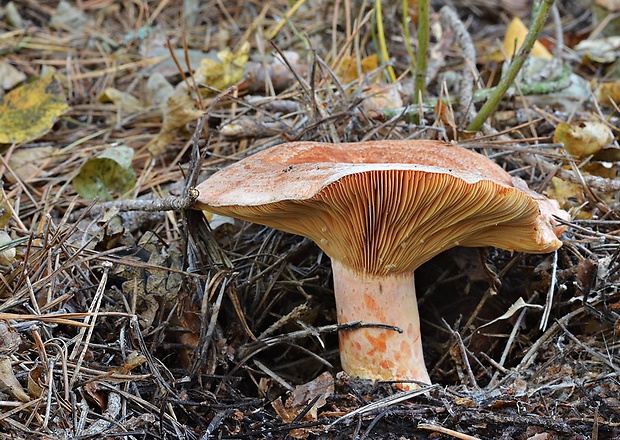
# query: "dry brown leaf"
319,388
36,381
7,256
378,96
9,381
27,163
127,103
9,338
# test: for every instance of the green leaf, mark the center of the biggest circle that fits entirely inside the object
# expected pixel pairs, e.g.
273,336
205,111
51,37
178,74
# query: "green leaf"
107,176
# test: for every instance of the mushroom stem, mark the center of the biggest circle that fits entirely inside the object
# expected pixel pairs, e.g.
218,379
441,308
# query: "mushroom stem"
376,353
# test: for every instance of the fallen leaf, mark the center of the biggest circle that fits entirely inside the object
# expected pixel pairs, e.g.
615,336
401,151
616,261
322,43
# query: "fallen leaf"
513,40
5,211
225,71
179,110
568,195
93,390
7,248
9,381
128,103
348,70
317,391
36,381
158,89
106,176
320,387
583,138
378,96
27,163
30,111
518,305
9,338
601,50
10,76
607,93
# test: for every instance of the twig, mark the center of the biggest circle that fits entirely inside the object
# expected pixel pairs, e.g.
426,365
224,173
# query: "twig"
86,333
529,357
602,184
464,354
447,431
387,401
595,354
451,20
507,80
549,302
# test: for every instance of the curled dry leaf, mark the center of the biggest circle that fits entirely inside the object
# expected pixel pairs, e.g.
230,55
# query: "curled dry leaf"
9,338
316,392
7,249
36,381
106,176
9,381
27,163
583,138
126,102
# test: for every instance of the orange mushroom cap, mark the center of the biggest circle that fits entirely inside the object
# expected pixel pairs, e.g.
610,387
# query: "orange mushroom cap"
379,210
382,206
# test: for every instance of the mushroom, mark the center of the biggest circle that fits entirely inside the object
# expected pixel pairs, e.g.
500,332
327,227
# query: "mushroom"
379,210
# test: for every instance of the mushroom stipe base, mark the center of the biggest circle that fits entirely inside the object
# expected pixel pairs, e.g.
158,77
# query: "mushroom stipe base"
377,353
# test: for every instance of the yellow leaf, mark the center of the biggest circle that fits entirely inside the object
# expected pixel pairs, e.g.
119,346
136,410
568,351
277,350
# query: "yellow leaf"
5,212
583,138
128,103
348,70
513,40
568,195
30,111
225,71
607,93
